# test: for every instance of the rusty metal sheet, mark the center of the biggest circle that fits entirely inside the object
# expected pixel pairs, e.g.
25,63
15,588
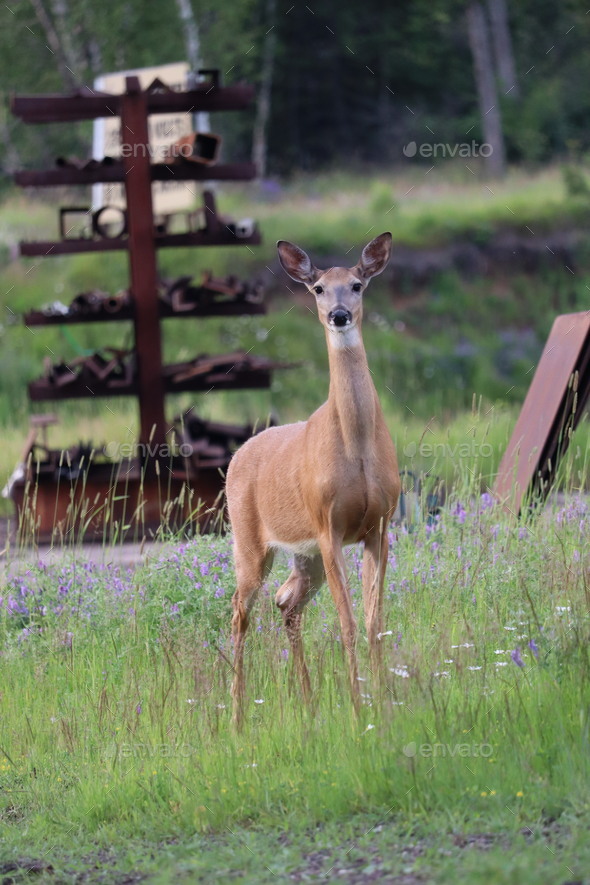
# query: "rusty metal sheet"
553,406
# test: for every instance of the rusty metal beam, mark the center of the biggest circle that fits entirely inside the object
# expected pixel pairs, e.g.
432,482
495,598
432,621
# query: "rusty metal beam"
552,409
116,172
91,105
144,271
214,309
162,241
239,379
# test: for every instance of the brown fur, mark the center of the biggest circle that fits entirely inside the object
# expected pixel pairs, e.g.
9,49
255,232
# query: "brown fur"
317,485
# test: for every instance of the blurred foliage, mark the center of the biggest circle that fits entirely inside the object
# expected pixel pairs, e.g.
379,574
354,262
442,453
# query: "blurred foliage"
352,82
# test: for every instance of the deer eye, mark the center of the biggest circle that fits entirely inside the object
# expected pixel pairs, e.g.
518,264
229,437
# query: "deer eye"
318,290
356,287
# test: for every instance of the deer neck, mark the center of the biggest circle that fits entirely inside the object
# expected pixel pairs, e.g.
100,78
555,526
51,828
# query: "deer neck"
352,400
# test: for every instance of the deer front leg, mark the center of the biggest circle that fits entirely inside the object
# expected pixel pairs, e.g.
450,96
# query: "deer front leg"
306,578
252,565
335,569
374,565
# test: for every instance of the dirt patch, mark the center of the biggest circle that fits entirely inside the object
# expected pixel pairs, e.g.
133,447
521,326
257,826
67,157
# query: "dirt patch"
99,869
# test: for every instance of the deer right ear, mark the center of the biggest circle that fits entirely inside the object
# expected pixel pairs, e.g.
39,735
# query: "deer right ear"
296,263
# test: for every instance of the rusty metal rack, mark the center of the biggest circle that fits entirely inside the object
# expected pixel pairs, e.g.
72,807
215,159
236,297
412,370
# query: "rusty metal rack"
136,491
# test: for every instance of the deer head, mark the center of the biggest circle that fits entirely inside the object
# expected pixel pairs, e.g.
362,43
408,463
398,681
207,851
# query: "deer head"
338,291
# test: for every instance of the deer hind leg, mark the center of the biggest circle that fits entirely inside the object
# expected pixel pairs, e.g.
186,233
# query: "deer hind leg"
304,581
252,563
335,569
374,565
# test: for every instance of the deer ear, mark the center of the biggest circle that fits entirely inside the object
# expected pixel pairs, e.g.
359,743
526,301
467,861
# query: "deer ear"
296,263
375,256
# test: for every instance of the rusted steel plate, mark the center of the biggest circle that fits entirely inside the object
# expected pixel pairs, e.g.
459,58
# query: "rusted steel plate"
113,495
553,406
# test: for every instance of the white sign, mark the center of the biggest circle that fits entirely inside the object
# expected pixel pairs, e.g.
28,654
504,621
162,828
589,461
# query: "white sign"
164,130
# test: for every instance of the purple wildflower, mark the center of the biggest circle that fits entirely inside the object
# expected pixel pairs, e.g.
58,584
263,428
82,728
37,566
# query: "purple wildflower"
534,648
486,501
459,512
515,655
138,709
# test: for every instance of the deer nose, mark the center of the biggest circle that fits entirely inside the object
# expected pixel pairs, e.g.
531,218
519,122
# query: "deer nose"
340,316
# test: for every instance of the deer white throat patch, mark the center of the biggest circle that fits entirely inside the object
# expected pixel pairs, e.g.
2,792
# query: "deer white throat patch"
345,337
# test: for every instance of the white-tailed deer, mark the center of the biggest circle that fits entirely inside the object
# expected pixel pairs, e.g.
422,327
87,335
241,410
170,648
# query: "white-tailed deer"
314,486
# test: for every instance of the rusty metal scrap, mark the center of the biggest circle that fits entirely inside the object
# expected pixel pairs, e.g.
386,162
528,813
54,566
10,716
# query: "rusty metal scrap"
96,375
77,163
197,147
183,297
216,365
211,443
115,372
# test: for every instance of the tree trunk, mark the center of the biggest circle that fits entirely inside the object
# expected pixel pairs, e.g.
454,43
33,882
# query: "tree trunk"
10,156
192,44
259,138
55,46
64,31
491,120
502,41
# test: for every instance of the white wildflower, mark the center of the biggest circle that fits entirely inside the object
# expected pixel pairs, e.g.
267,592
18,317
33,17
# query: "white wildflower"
387,633
258,700
400,671
474,668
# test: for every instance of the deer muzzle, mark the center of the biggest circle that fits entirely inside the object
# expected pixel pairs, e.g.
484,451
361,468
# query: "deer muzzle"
340,316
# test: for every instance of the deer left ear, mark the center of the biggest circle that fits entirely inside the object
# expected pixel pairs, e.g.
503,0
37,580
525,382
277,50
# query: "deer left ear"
296,263
375,256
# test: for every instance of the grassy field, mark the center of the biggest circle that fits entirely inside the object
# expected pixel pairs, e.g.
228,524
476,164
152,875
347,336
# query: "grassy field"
471,763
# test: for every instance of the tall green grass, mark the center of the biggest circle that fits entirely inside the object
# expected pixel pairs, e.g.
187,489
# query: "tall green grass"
115,697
